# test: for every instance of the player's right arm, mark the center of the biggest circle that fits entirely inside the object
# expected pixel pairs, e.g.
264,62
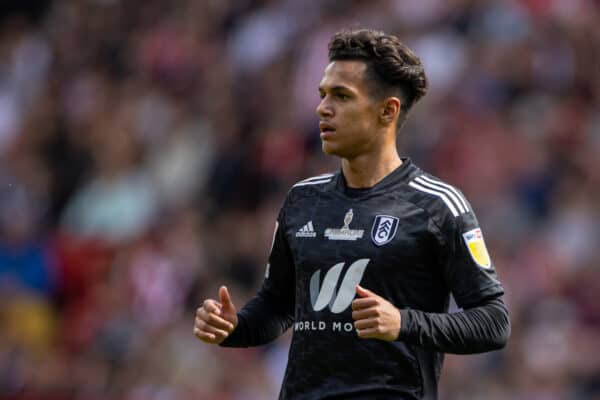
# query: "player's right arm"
266,316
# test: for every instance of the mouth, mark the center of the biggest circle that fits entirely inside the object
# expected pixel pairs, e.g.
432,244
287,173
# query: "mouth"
326,129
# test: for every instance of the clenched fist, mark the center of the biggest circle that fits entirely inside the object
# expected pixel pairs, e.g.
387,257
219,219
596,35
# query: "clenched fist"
375,317
215,320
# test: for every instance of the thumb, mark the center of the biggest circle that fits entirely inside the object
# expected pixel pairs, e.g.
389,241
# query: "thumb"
225,299
362,292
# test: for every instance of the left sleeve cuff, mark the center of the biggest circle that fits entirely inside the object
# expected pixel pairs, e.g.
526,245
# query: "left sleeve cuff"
407,326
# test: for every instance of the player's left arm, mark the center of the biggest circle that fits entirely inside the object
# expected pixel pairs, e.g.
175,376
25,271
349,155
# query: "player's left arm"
482,325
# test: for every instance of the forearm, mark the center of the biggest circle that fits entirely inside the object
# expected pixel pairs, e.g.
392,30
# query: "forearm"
475,330
260,321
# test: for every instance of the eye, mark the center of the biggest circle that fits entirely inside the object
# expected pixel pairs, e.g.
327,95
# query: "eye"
321,95
342,96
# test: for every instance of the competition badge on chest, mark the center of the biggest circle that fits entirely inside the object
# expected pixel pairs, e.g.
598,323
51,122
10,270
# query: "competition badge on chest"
345,233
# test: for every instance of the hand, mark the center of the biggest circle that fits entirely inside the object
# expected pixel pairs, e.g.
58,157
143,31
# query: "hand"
215,320
375,317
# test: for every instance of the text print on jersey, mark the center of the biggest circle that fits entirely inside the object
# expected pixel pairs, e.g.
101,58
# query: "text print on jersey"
326,294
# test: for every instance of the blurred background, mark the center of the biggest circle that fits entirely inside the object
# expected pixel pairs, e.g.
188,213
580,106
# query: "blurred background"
147,145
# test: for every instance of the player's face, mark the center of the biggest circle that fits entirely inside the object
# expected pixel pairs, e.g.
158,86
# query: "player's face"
348,116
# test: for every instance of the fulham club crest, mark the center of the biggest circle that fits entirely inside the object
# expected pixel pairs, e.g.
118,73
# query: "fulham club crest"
384,229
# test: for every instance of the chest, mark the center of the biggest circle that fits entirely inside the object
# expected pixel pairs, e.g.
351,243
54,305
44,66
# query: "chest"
382,240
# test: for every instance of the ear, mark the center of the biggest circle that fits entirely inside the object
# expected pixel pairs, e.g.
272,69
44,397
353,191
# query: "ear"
390,110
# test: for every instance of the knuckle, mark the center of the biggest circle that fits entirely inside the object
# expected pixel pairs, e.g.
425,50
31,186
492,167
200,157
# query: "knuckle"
209,304
219,336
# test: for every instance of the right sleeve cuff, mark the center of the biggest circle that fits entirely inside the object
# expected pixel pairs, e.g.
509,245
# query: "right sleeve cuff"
235,338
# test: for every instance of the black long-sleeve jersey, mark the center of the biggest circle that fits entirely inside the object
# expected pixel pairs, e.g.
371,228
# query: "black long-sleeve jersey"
411,239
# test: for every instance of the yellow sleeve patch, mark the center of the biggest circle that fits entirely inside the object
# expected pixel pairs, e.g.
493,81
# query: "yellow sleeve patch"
476,246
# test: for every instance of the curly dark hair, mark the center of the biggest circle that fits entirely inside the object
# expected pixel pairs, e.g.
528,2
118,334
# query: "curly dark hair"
392,68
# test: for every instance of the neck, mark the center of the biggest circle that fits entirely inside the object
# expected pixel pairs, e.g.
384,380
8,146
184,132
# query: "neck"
366,170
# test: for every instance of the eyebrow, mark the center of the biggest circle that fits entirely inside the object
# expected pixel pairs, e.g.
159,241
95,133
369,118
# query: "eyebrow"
335,88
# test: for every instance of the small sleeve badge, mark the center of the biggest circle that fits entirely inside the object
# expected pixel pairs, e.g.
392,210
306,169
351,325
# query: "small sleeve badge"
476,246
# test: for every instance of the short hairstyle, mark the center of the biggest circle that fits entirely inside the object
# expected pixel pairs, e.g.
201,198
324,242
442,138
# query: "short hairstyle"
392,68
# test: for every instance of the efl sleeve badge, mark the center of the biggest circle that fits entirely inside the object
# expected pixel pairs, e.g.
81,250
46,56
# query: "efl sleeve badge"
474,241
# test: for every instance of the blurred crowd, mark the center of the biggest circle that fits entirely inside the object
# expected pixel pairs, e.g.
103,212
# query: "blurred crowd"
146,147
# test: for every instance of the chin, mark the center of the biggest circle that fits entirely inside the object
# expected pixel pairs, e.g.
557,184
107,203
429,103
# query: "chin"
328,148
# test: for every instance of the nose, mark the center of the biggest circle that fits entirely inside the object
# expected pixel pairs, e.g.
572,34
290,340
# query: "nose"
324,108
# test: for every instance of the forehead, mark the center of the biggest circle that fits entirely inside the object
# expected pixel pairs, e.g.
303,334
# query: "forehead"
344,73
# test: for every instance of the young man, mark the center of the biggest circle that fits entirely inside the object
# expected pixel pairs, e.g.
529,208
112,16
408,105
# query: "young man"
364,260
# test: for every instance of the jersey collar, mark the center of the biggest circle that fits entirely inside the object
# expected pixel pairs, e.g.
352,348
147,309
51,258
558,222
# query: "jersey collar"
401,174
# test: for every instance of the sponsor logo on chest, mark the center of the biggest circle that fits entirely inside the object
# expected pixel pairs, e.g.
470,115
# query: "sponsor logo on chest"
332,294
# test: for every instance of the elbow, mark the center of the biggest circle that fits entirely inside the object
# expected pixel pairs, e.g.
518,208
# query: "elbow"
503,330
501,340
497,331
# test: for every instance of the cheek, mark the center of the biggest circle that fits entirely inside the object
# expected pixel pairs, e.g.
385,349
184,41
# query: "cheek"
355,116
359,122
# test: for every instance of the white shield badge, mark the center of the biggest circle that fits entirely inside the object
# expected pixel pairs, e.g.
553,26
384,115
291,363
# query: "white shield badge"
384,229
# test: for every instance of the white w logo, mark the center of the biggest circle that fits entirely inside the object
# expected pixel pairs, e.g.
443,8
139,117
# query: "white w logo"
326,295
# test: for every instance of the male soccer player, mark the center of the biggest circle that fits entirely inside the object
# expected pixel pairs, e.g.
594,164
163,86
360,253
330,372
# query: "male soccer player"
364,260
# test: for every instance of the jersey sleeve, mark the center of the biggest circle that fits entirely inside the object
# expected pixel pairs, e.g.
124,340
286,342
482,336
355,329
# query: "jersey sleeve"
466,264
483,324
271,312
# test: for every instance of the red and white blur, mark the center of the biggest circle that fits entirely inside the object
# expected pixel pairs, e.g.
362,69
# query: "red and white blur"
147,145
